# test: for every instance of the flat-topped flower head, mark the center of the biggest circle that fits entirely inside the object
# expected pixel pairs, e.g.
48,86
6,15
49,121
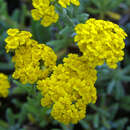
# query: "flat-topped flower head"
101,41
33,61
69,89
4,85
45,12
67,112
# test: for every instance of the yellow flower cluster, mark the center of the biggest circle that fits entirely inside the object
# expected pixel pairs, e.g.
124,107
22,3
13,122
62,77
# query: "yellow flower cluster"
69,89
4,85
45,11
101,41
16,39
65,3
33,61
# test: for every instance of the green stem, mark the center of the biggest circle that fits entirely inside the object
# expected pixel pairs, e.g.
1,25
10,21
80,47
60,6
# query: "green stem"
69,19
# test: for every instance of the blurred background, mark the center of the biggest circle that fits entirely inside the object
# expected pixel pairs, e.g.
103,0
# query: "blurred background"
22,112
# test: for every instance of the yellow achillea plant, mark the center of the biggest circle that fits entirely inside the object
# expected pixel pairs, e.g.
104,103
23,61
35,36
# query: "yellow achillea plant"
32,60
101,41
44,11
69,89
4,85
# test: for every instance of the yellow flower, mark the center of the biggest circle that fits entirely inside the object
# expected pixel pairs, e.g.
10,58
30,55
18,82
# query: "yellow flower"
12,32
16,39
33,61
67,112
101,41
4,85
44,11
69,89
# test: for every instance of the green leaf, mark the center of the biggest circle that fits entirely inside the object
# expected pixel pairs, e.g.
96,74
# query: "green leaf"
40,33
111,86
119,90
23,15
82,17
84,124
96,121
17,103
125,78
97,3
100,110
19,90
22,87
65,31
106,123
113,110
125,103
121,123
60,44
15,15
114,4
10,116
3,8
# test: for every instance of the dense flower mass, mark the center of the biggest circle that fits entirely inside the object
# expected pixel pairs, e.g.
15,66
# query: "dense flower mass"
69,89
4,85
101,41
44,11
32,60
65,3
